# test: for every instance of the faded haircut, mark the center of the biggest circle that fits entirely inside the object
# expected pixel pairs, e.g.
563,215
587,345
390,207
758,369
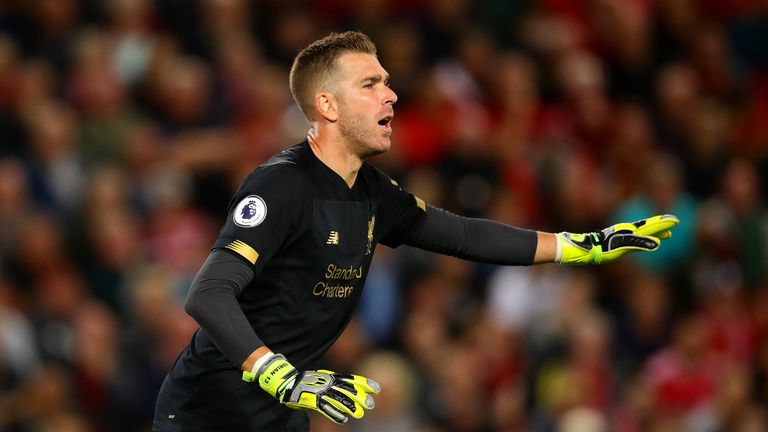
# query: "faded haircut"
314,65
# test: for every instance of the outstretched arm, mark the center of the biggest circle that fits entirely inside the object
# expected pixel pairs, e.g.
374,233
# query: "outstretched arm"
496,243
480,240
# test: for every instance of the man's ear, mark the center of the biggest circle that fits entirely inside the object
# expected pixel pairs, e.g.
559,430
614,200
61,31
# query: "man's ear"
327,106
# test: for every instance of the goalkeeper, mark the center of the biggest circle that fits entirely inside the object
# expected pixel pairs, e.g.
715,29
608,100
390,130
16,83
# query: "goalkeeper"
290,262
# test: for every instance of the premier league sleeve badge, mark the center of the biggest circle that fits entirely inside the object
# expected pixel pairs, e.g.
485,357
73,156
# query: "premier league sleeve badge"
251,211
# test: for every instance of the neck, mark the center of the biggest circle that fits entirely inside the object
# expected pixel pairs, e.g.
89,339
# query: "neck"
332,151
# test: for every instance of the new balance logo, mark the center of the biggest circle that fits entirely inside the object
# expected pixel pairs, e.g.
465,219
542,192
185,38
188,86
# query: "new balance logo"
333,238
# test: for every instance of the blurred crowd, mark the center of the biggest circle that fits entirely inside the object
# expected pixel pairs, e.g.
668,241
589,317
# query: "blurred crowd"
125,126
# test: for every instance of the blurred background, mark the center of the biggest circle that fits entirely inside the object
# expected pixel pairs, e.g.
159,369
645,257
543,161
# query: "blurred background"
125,126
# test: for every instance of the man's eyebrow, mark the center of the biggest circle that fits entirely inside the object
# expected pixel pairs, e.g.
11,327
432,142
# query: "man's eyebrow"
376,78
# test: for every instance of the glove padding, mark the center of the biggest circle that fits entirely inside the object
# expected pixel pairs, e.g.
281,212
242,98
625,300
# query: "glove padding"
336,396
613,242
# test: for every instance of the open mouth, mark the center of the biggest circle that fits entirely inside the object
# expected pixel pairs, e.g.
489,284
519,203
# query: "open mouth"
386,122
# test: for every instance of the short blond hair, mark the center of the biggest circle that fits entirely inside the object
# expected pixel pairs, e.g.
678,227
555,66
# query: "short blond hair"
315,63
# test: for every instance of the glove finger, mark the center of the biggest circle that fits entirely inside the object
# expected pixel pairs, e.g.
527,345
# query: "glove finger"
358,395
367,384
343,403
356,387
664,235
350,380
330,412
655,224
633,242
620,227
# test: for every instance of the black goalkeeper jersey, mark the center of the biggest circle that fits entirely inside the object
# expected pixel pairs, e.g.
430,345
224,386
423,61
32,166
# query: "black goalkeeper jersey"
310,239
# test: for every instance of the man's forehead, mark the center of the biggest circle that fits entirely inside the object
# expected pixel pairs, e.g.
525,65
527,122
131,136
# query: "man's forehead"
357,66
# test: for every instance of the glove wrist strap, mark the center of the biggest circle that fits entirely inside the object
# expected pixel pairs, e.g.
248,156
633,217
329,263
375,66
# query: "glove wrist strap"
260,362
274,375
270,370
559,250
250,376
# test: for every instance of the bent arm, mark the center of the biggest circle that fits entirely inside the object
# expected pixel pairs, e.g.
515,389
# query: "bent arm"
212,302
482,240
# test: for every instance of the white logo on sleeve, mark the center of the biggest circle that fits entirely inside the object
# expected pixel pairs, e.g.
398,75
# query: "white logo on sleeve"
250,212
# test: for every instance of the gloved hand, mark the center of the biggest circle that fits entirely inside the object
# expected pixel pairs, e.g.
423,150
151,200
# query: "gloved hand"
613,242
336,396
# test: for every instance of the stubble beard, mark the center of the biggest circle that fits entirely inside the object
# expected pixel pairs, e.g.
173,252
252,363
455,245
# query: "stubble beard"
358,137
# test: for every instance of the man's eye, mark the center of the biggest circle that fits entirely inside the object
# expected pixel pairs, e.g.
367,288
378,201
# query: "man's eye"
369,85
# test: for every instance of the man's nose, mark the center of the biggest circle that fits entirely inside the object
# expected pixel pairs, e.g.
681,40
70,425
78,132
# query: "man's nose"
390,97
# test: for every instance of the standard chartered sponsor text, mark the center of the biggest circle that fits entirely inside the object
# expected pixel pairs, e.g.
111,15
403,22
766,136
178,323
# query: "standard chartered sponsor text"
329,289
335,272
323,289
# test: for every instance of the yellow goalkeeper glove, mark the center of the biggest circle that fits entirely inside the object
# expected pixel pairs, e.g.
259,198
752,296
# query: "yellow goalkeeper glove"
613,242
336,396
